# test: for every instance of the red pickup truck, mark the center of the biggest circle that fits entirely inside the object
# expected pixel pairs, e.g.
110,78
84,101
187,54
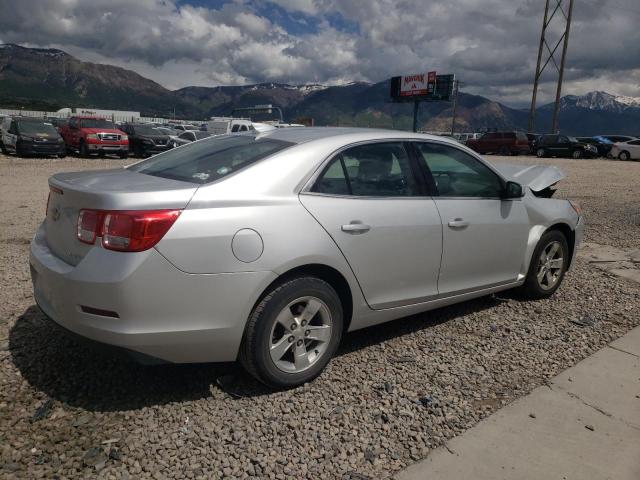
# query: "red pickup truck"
88,135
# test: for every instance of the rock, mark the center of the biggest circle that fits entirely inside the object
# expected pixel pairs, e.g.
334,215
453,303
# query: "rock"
388,387
43,411
94,457
589,427
403,359
532,415
584,321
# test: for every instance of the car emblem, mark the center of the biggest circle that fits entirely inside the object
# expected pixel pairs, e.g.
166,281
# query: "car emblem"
55,215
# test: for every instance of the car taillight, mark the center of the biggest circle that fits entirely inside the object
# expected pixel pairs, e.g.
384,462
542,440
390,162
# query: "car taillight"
125,231
89,225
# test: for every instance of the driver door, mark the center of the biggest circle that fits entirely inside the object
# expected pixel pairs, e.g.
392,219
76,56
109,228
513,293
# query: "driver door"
484,237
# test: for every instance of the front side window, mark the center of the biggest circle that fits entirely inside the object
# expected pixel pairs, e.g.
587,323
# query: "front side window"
458,174
211,159
372,170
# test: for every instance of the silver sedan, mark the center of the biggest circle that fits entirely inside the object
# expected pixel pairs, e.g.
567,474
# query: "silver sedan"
267,247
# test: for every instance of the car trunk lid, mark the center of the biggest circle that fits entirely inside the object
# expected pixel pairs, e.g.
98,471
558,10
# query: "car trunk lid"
117,189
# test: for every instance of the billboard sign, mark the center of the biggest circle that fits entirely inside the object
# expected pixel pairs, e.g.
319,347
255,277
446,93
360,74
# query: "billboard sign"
417,84
422,87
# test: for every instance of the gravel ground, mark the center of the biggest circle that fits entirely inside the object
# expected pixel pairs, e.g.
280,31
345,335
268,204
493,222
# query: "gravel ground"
393,393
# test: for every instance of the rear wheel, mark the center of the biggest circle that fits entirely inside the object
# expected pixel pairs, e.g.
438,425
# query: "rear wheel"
123,154
292,333
548,266
624,156
540,153
504,150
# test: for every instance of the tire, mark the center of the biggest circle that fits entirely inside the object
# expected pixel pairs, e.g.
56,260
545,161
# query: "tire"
624,156
576,154
264,331
82,149
535,287
541,153
62,155
123,155
504,150
3,149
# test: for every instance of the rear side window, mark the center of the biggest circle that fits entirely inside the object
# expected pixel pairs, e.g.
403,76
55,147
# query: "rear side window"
522,136
211,159
373,170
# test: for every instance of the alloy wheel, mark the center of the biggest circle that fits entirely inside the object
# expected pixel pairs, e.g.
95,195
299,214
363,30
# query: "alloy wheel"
550,265
300,334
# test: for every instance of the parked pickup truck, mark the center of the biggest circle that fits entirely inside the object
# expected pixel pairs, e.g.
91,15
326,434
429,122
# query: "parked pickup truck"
88,135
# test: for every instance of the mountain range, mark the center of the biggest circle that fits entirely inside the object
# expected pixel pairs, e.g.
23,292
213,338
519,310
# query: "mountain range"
50,79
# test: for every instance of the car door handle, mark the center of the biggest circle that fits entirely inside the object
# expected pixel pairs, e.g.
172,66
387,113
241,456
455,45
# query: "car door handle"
355,228
458,223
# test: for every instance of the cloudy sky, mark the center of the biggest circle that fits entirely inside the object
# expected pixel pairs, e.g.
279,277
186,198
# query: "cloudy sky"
491,45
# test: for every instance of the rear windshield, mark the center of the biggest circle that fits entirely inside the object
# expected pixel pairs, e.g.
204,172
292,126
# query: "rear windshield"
37,128
146,130
211,159
95,123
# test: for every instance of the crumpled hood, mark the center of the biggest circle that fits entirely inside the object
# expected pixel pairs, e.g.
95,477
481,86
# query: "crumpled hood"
536,177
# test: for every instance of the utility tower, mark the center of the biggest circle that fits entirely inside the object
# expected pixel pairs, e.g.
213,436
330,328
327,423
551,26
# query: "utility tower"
562,9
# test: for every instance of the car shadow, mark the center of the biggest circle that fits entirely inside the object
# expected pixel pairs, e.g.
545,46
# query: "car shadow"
101,378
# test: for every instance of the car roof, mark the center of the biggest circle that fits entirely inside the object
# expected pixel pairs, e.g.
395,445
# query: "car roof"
309,134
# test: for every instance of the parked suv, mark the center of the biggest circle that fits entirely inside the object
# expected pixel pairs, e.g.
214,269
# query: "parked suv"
88,135
504,143
145,140
26,136
564,146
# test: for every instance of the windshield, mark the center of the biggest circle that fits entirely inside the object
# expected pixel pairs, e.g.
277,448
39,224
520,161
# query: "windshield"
96,123
210,160
37,128
146,130
573,139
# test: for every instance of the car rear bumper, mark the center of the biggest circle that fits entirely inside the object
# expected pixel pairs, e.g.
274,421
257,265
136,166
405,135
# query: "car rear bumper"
141,302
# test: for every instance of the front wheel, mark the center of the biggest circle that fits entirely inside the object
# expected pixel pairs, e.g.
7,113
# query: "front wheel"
548,266
292,333
540,153
576,154
624,156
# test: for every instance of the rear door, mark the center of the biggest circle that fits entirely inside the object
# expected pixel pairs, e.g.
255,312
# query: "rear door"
484,236
369,201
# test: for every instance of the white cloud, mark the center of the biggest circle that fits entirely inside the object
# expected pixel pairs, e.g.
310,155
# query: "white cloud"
491,45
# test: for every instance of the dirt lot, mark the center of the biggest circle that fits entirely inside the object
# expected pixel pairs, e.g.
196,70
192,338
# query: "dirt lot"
393,393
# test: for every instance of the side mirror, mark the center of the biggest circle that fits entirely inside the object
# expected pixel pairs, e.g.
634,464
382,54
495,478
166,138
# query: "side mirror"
513,190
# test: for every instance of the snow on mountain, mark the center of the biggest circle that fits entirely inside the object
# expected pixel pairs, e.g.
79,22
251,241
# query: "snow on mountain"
601,101
631,101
